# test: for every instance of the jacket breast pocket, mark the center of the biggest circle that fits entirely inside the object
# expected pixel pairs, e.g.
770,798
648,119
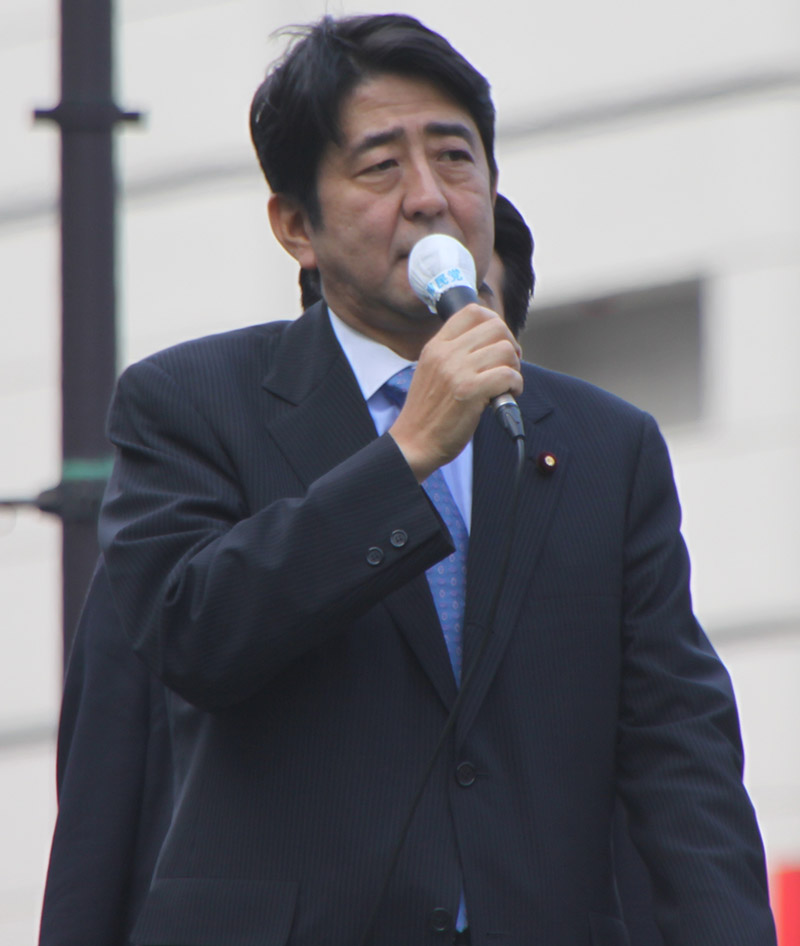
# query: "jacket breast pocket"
608,931
190,911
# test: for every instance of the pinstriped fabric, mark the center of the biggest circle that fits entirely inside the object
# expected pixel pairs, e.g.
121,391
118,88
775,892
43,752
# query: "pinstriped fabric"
448,578
248,490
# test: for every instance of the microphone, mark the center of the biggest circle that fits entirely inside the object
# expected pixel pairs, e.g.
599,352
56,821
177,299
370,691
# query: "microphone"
442,274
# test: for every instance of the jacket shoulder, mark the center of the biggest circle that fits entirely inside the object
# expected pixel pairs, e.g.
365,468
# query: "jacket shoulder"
252,341
590,412
568,390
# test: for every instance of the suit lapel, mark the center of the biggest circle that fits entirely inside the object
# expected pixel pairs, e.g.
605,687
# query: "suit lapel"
317,415
493,472
318,418
414,612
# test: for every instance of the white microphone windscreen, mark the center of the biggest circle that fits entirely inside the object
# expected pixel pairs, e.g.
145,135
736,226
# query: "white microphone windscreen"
436,263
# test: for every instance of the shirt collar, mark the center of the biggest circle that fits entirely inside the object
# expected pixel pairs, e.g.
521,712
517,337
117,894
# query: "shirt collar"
372,363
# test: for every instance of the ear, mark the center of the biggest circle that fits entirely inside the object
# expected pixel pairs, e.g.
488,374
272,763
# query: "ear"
292,229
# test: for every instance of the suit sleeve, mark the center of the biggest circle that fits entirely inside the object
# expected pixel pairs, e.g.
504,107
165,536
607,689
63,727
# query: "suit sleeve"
680,753
218,599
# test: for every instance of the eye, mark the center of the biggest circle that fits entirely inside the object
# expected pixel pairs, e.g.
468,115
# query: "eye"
385,165
457,154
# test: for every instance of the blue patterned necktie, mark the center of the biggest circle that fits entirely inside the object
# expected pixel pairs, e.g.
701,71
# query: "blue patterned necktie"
448,578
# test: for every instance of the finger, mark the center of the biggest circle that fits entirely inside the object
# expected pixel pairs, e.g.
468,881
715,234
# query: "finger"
467,318
484,385
486,334
497,354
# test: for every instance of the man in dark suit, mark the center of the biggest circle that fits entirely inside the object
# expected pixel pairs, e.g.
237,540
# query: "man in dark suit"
272,551
114,772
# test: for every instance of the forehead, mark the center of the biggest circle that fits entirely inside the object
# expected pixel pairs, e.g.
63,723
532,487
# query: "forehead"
386,102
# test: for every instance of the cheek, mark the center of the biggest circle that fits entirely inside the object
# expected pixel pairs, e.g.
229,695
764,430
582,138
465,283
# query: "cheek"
476,218
362,227
376,220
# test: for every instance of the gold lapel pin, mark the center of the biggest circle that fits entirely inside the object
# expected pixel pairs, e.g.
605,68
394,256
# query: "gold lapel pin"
547,462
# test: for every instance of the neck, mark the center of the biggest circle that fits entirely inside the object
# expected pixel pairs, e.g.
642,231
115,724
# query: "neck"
407,340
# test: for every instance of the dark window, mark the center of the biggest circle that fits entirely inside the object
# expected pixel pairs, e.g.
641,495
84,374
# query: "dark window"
644,345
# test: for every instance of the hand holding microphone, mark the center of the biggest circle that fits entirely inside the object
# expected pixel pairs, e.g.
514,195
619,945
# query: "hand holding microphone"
472,360
442,274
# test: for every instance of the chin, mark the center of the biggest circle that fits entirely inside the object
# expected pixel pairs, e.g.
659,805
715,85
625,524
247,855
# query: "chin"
410,304
420,314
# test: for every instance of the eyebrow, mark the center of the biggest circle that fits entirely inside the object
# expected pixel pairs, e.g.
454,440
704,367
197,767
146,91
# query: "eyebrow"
432,129
446,129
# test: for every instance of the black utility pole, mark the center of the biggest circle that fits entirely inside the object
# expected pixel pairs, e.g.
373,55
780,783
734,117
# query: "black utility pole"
86,117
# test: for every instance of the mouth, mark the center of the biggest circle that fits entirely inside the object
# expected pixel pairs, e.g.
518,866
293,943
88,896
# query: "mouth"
406,252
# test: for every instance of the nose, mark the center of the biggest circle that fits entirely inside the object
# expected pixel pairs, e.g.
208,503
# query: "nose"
424,194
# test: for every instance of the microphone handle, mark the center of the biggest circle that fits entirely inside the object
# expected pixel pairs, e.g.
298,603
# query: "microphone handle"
453,300
505,407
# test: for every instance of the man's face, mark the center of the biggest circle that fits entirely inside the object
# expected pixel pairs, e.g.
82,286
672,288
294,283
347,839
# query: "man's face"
411,162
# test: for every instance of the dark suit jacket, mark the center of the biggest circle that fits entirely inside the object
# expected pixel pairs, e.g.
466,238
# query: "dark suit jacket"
115,794
633,886
311,679
114,780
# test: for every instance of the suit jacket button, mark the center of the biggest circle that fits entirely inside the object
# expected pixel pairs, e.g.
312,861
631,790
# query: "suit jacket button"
465,774
374,555
440,920
399,538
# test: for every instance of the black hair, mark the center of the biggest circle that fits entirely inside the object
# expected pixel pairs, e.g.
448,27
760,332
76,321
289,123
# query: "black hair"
295,111
513,243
